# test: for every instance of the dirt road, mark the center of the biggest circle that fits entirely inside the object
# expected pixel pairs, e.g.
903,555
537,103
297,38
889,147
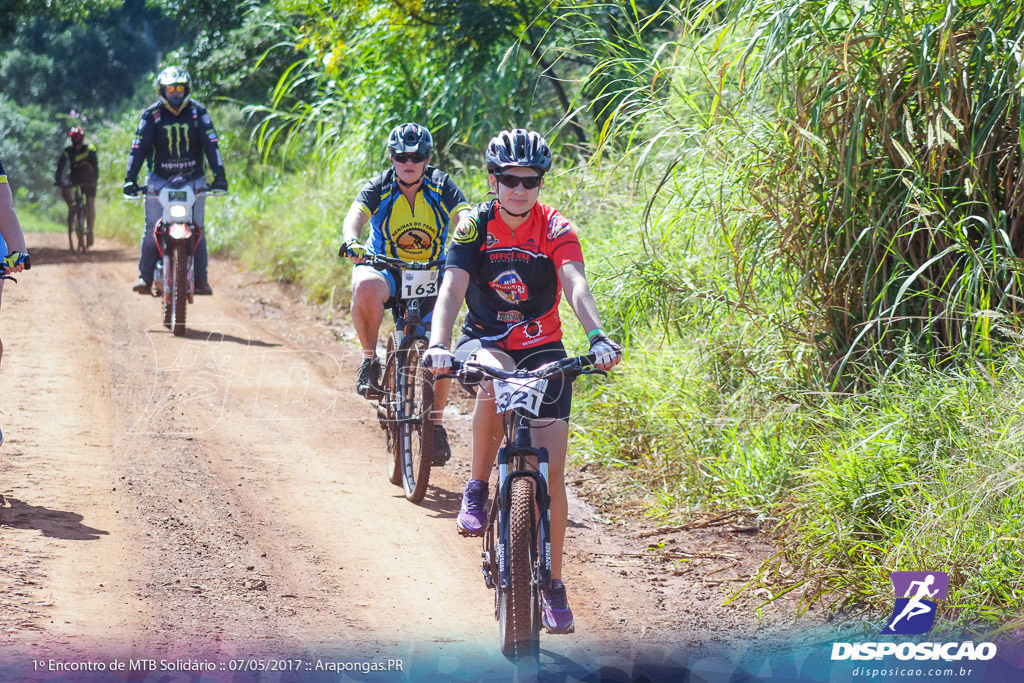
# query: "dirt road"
221,497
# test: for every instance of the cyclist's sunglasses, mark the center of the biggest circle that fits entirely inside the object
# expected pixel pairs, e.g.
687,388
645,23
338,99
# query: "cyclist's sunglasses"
530,182
415,157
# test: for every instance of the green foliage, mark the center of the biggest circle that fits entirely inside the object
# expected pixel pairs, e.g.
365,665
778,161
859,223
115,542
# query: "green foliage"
27,136
69,65
16,11
898,192
923,473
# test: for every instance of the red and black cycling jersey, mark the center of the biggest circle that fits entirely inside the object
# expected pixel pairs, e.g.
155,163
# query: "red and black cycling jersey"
81,164
513,289
175,144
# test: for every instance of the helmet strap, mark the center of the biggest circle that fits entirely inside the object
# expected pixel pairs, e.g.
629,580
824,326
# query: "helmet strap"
517,215
414,183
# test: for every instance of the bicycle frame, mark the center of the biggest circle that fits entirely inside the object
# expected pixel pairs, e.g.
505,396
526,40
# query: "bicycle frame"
404,408
78,228
514,459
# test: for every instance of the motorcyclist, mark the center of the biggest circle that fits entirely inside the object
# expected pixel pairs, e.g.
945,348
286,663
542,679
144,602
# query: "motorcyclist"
78,165
409,208
172,138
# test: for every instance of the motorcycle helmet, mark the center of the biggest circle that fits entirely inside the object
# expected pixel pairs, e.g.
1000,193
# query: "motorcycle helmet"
174,75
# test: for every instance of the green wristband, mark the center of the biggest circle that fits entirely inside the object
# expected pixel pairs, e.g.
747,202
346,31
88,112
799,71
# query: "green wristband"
594,333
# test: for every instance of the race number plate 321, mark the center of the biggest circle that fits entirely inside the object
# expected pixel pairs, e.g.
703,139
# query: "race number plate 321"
417,283
527,393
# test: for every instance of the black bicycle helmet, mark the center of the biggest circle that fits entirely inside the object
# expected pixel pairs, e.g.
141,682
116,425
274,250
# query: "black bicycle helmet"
410,137
519,147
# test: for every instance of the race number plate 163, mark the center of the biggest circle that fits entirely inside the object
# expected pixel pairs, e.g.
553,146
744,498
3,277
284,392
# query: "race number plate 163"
417,283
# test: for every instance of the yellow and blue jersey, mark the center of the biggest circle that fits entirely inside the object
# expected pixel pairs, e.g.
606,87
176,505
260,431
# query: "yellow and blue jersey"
416,232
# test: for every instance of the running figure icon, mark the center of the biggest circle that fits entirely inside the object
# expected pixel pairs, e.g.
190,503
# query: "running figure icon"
914,612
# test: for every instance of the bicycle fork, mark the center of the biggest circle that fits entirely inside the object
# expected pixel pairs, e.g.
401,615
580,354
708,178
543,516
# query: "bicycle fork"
504,500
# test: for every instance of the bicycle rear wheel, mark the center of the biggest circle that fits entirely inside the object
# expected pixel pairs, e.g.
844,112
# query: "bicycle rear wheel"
79,223
417,430
518,622
389,403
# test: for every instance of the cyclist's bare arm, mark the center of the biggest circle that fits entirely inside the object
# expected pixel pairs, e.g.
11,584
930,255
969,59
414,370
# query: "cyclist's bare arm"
10,228
352,227
449,301
581,300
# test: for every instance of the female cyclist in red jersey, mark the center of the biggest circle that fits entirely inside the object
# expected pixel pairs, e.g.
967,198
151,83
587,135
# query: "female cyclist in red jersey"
511,260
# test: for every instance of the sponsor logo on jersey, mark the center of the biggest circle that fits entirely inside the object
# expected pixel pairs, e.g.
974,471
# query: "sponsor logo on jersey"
414,240
178,139
510,287
466,231
558,226
533,329
510,316
490,239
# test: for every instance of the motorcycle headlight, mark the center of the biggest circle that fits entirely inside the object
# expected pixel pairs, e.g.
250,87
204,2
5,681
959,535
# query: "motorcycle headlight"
179,231
177,211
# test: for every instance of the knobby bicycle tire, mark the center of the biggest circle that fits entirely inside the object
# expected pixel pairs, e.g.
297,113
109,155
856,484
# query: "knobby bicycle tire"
417,431
518,625
80,226
393,465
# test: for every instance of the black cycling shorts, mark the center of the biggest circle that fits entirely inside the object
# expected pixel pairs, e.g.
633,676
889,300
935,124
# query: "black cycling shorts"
558,402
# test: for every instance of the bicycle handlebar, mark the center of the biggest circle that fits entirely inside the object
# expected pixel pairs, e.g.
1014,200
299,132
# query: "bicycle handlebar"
571,368
380,262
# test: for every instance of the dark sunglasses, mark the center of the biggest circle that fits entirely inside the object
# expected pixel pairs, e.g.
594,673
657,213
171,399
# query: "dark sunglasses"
415,157
530,182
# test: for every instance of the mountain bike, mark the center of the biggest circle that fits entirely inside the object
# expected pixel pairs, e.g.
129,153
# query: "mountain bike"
517,543
407,390
78,235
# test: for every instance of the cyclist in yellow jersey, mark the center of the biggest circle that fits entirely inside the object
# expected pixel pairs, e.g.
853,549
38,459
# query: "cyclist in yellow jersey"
409,208
10,228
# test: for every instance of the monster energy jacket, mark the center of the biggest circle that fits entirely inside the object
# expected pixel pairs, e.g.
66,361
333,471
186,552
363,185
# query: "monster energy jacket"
174,144
81,165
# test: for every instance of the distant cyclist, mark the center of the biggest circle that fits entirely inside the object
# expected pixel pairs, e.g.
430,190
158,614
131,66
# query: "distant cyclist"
173,137
511,260
78,165
13,238
409,207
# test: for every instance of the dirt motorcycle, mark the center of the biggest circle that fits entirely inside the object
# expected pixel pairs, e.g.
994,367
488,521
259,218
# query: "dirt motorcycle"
177,237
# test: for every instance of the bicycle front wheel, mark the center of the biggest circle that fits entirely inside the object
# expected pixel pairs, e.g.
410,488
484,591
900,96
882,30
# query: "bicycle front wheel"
80,225
416,429
518,616
389,419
